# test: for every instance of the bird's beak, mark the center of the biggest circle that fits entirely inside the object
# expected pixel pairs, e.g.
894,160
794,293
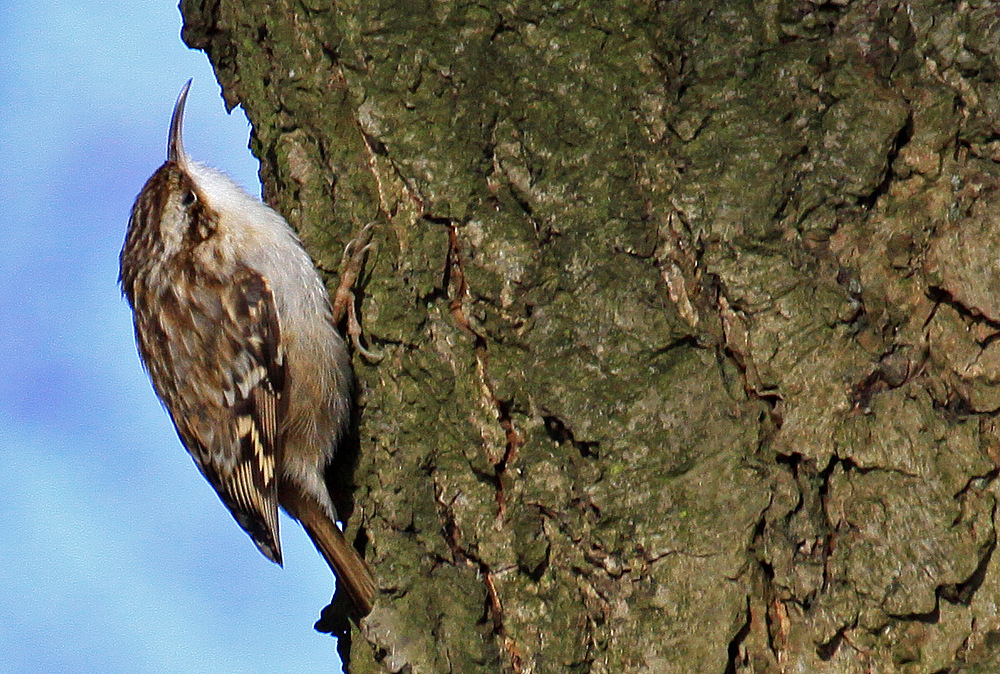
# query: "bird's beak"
175,143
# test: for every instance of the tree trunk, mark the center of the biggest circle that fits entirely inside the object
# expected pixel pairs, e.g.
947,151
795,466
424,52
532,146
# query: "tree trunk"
689,312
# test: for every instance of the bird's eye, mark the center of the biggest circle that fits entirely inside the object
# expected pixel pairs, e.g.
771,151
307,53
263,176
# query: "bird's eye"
189,198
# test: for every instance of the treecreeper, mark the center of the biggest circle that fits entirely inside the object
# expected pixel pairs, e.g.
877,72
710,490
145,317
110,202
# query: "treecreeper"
236,330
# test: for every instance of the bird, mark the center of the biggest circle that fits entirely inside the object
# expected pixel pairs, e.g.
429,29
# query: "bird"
234,326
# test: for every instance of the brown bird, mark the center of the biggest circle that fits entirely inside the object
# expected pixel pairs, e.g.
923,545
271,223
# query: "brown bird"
234,325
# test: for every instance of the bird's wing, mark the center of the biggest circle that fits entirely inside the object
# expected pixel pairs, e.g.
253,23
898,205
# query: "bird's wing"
228,371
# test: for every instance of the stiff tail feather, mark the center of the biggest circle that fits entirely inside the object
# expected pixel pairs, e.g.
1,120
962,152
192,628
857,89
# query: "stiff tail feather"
352,571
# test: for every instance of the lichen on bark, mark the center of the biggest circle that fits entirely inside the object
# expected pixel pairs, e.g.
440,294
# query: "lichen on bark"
689,313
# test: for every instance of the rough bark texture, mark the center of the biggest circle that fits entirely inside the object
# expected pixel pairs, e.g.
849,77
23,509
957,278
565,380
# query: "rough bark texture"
690,312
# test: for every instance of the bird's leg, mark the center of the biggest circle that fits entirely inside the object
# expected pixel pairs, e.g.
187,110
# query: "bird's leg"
344,303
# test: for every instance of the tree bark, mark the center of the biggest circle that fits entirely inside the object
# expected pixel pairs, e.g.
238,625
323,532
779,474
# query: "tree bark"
690,315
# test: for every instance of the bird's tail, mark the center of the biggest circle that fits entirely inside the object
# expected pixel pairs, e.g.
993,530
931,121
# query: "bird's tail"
352,571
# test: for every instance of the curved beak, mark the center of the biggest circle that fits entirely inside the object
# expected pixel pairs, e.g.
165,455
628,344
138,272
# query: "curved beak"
175,143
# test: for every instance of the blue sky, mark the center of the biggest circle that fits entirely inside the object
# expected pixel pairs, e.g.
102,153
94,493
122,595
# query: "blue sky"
117,556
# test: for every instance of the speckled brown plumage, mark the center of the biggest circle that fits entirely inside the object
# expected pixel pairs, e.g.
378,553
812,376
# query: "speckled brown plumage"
235,329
